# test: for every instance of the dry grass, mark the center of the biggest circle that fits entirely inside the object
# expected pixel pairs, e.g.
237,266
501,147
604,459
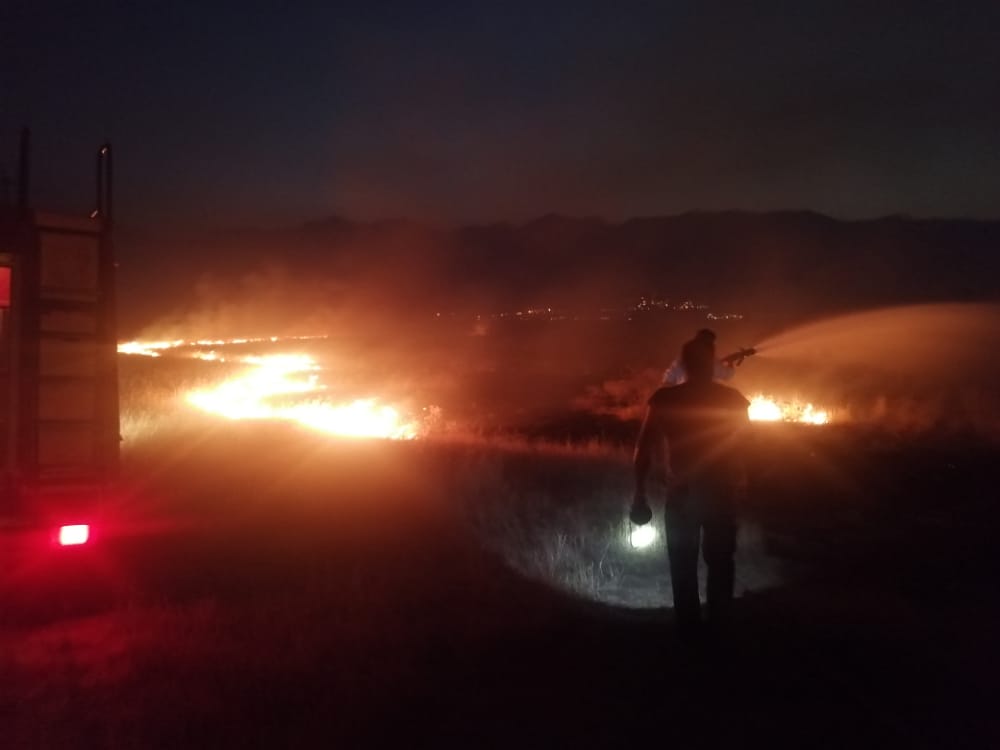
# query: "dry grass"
258,566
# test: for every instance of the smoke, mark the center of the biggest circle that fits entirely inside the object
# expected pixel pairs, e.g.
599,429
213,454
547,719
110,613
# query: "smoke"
268,302
327,278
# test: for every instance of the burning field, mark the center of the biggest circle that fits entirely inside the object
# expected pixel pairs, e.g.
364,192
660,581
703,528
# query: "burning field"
409,521
277,379
220,386
284,386
571,382
544,434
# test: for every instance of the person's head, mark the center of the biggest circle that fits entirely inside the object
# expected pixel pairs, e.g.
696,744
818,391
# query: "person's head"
707,335
698,356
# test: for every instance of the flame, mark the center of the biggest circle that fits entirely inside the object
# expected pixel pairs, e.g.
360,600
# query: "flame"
157,348
148,348
283,387
767,409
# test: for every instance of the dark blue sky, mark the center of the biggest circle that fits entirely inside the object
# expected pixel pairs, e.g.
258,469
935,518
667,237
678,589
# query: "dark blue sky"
249,113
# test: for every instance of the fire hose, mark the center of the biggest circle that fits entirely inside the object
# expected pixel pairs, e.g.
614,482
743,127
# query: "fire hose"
736,358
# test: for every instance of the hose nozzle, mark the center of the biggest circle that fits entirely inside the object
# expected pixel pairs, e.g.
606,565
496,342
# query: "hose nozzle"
736,358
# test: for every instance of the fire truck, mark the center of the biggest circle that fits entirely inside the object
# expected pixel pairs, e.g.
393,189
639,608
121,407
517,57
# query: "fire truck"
59,427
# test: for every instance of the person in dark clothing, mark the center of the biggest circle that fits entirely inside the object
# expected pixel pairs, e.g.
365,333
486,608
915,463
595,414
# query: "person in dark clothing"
703,425
721,369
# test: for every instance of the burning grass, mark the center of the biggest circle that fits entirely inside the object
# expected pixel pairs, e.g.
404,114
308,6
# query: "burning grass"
768,409
278,386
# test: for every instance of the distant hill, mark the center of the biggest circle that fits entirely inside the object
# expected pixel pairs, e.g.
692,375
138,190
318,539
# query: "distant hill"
780,263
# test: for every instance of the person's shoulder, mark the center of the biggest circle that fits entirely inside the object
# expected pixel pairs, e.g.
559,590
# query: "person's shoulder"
665,395
731,396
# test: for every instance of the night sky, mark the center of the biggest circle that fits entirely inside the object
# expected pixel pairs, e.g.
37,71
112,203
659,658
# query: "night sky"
247,113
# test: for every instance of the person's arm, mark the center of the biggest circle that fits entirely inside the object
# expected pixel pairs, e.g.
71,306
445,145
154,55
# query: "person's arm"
642,460
724,370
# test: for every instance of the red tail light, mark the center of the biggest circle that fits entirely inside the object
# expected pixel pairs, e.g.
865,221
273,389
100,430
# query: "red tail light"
73,535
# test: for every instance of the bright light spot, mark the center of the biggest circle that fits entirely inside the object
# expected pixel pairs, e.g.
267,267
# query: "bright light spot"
73,535
360,418
767,409
764,410
642,536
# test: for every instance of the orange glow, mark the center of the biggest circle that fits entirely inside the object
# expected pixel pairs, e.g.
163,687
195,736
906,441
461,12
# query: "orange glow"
283,387
767,409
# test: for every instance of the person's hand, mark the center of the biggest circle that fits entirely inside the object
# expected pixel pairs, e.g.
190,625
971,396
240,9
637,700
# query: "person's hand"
640,513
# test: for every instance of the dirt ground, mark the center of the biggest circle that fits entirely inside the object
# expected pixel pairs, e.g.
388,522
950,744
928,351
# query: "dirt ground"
258,588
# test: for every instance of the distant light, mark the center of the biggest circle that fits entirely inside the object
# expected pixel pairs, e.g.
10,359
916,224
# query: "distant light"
74,535
642,536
